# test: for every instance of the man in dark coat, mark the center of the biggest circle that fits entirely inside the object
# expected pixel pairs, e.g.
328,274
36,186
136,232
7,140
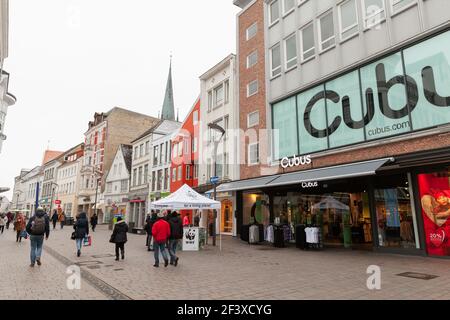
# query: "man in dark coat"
10,217
176,233
119,237
94,221
37,227
81,231
54,218
151,219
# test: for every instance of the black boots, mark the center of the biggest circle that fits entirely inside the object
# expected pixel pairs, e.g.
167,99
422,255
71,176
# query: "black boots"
78,253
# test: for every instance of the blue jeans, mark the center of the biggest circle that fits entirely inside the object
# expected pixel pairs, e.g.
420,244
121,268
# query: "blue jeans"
36,247
160,247
173,249
79,244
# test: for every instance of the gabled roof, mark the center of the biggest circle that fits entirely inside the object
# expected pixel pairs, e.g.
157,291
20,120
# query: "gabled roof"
146,133
50,155
127,152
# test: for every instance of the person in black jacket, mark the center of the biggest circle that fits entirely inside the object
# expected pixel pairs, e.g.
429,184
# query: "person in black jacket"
119,237
94,221
81,231
37,227
176,233
54,218
151,219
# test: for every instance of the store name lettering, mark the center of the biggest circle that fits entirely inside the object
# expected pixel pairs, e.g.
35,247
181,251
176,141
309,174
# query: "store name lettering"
383,87
295,161
306,185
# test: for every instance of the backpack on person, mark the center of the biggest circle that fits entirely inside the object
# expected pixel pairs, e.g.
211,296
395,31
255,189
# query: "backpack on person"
38,226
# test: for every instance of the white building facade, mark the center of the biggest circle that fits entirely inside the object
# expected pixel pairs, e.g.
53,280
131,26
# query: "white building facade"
161,159
118,184
220,107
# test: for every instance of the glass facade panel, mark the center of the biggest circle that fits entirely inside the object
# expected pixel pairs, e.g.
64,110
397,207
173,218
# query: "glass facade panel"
385,96
285,126
345,117
429,90
312,121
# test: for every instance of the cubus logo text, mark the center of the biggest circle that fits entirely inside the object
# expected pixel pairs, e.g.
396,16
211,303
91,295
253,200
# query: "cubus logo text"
383,87
295,161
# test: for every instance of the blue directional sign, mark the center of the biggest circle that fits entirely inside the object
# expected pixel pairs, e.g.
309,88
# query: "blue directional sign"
214,180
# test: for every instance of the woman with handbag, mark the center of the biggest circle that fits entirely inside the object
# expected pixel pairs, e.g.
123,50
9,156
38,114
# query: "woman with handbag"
119,237
19,226
81,231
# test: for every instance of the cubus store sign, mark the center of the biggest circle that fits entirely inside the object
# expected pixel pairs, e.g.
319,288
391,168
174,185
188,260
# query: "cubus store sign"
404,92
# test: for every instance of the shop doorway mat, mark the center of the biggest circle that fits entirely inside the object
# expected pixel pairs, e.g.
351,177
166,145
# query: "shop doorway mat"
417,275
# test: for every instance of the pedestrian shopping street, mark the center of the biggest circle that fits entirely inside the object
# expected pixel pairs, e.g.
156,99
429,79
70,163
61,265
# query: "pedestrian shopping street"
237,272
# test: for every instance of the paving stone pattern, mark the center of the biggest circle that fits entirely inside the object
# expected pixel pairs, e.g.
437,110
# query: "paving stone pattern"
237,272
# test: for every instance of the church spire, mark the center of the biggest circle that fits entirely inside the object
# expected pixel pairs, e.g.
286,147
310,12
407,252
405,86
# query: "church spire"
168,109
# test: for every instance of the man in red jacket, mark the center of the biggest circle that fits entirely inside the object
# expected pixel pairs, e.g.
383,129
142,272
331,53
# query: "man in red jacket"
160,232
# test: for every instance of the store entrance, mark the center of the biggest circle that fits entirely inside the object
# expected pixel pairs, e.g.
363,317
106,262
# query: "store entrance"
340,211
226,225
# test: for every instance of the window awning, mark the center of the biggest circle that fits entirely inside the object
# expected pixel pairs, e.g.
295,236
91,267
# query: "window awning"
358,169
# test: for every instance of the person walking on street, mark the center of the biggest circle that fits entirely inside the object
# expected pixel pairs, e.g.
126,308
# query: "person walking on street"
54,218
160,232
3,220
81,231
37,227
62,219
10,218
19,226
119,237
151,219
94,221
176,233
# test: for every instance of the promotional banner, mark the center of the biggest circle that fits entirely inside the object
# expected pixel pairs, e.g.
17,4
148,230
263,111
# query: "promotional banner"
191,239
434,191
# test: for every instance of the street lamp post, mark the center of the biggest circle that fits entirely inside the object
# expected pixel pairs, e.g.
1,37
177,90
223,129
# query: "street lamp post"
215,126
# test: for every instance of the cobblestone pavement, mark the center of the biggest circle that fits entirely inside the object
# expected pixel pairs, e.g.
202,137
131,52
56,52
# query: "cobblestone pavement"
237,272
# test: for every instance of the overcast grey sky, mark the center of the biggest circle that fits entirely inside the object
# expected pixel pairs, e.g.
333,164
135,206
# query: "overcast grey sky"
71,58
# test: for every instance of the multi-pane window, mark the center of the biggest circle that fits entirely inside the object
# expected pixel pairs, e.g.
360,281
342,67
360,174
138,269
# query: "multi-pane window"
109,187
252,88
218,96
166,178
252,59
252,30
210,101
326,27
174,174
253,119
275,60
136,152
161,157
180,173
180,149
348,17
124,185
308,46
253,153
194,145
159,181
373,12
142,150
274,12
120,168
196,171
147,147
288,6
166,155
146,174
155,155
290,45
140,176
227,91
188,172
134,177
153,180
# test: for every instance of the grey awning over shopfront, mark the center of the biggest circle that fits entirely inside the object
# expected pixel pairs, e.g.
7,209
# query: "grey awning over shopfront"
352,170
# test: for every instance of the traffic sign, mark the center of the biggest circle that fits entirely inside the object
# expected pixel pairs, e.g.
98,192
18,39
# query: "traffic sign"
214,180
